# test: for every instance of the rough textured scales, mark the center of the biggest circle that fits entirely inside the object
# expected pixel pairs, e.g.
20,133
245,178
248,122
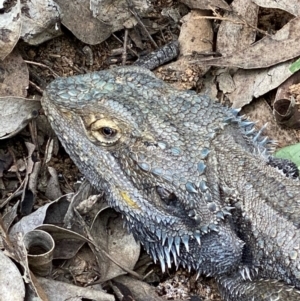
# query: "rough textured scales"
193,180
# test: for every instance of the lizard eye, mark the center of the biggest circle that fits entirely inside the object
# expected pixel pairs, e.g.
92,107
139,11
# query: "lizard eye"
105,131
108,132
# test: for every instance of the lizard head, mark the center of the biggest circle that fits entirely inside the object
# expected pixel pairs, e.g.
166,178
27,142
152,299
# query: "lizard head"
148,147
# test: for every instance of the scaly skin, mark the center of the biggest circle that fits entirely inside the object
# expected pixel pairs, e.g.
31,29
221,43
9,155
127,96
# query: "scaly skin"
191,178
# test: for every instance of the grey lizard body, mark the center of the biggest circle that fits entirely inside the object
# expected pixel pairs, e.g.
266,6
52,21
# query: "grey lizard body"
191,178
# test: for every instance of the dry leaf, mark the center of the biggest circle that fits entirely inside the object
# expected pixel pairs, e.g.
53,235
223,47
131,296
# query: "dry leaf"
9,216
251,84
14,78
140,290
109,235
105,19
61,291
40,24
28,195
196,34
206,4
225,81
10,24
15,113
269,51
93,32
291,6
51,212
233,37
84,192
53,191
11,281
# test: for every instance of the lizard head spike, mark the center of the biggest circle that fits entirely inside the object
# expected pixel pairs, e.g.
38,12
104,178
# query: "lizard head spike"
163,237
213,227
185,240
167,257
250,132
161,258
235,112
177,244
175,258
197,236
246,124
220,215
258,134
170,242
158,233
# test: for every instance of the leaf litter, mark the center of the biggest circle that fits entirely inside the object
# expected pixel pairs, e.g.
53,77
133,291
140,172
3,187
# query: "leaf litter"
247,49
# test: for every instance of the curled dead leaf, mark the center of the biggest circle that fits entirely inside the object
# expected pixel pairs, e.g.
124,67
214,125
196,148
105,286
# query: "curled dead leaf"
287,113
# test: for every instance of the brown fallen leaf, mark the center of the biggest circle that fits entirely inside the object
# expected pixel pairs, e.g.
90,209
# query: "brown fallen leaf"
53,190
40,246
53,212
28,193
40,24
206,4
100,18
14,79
137,290
233,37
196,34
15,113
268,51
110,236
61,291
10,24
291,6
251,84
196,37
80,204
10,215
12,286
225,81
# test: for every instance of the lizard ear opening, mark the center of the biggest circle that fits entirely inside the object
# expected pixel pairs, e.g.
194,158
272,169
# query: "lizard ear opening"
169,198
